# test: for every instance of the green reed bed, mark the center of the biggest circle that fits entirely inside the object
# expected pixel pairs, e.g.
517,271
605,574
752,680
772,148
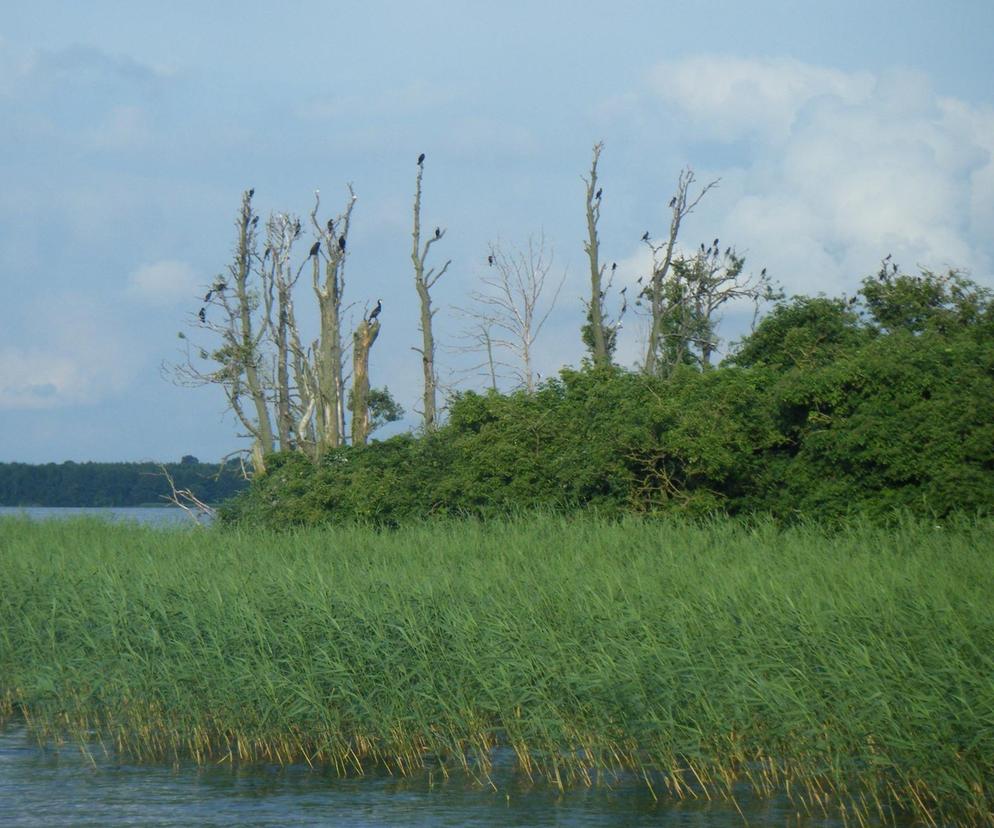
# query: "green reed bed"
853,670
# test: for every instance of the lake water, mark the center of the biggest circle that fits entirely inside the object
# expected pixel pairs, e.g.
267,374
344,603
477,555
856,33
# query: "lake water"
48,786
150,515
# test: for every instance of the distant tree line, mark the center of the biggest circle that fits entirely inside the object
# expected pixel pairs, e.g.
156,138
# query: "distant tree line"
877,404
115,484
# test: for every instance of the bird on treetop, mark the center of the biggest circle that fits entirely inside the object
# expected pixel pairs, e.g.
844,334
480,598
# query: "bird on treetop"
645,236
438,232
255,220
421,159
202,314
207,298
490,260
673,202
598,195
315,248
715,243
614,266
331,226
762,272
341,243
376,310
251,192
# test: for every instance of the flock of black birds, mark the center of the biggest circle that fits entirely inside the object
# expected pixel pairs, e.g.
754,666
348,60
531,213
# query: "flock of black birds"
316,249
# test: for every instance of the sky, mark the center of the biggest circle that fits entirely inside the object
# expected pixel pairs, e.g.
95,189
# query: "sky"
839,132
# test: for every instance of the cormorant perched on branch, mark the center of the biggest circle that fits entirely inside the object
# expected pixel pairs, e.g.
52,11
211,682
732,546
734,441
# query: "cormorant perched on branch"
614,267
702,247
296,228
762,272
331,226
255,221
207,298
438,232
645,236
673,202
376,311
341,243
315,248
202,315
421,159
251,192
490,260
715,244
598,194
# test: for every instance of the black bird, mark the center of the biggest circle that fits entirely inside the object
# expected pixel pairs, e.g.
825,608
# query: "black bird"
296,228
207,298
598,196
645,236
251,192
438,232
220,286
762,272
673,202
702,247
715,244
378,308
331,226
728,250
490,260
202,314
341,243
266,252
315,248
421,159
887,257
624,290
255,221
614,266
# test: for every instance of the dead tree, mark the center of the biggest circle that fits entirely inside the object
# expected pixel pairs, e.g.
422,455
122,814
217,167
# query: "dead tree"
514,303
228,314
596,335
329,355
424,281
681,205
362,341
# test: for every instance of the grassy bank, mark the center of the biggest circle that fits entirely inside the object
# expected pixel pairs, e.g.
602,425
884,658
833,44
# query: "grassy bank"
854,669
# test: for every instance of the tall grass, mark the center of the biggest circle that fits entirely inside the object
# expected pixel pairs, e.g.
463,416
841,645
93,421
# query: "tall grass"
853,670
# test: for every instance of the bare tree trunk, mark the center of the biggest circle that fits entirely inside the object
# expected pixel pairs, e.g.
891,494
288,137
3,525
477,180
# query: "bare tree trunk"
662,258
598,335
423,282
328,356
362,341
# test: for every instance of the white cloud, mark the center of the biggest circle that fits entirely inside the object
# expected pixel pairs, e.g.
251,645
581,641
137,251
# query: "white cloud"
729,96
842,168
165,282
83,359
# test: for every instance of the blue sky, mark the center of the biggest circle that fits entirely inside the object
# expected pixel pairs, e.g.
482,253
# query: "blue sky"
841,132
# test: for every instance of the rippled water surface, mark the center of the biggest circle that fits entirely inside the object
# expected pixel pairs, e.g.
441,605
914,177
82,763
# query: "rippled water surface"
63,786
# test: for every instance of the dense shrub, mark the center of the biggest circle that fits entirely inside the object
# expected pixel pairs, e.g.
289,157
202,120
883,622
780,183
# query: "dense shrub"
829,408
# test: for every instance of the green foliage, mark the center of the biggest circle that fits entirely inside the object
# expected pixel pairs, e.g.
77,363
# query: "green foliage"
855,667
879,405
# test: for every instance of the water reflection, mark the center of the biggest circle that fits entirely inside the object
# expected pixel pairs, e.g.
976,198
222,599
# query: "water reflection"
47,786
